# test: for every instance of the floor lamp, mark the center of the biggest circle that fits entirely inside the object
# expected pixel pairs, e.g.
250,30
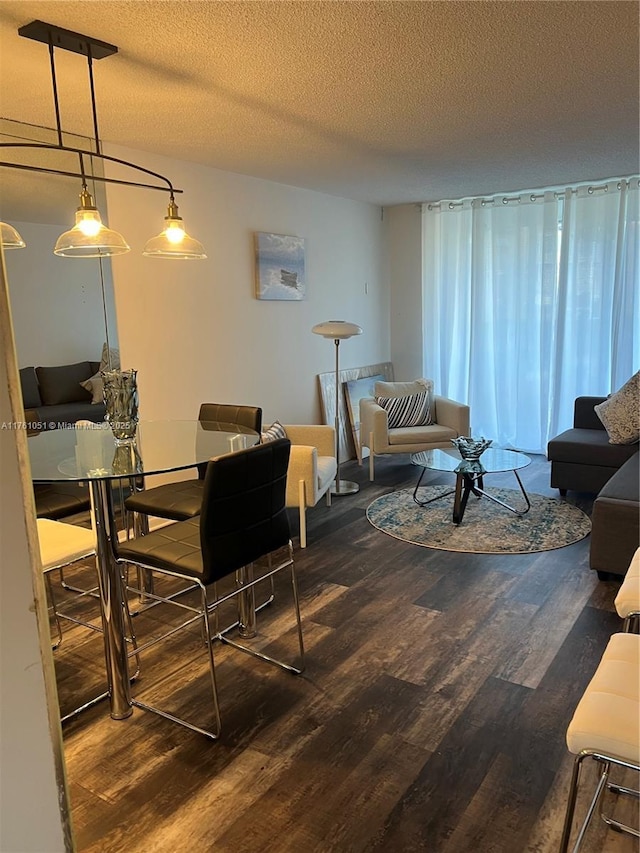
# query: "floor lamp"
338,330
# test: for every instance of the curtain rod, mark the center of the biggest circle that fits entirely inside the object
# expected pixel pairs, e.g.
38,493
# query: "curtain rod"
531,195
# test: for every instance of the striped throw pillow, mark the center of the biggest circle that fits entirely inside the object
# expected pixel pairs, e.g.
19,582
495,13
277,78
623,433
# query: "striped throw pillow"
273,433
410,411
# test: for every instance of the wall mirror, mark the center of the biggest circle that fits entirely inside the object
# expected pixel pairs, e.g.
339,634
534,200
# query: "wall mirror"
56,303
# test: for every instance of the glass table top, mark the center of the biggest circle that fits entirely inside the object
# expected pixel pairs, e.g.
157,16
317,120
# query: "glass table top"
492,461
161,446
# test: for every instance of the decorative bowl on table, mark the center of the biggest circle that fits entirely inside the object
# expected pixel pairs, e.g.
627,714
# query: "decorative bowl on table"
471,448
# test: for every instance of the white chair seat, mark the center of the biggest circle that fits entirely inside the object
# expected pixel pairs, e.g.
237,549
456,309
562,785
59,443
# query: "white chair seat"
627,600
606,719
62,543
605,728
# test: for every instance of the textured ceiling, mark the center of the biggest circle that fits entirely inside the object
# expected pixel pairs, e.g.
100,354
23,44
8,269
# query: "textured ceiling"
386,102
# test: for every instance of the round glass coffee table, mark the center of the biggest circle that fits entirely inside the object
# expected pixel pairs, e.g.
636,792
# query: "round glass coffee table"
470,476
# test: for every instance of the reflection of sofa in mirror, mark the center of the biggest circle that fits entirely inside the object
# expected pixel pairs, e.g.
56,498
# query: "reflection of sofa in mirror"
54,396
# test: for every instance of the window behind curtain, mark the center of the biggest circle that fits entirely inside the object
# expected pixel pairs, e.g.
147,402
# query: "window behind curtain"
530,303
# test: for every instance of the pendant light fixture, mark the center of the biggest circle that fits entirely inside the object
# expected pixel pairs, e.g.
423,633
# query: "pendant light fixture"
10,237
90,237
173,241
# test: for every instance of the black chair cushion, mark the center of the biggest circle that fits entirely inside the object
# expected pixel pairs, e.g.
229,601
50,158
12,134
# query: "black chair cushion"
234,417
243,514
60,500
174,547
178,501
248,416
243,518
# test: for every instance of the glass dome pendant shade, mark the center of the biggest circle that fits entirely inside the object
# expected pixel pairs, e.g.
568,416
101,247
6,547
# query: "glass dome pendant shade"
10,237
89,238
173,241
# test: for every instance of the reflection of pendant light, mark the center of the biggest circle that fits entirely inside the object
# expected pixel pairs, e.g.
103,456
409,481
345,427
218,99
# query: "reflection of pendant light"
173,241
10,237
338,330
89,238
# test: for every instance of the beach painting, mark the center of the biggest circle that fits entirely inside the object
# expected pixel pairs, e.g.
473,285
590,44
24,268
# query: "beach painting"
280,272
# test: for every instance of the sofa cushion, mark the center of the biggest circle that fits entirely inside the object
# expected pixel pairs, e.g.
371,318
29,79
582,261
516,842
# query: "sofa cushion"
60,385
588,447
625,483
615,520
433,434
620,413
30,391
62,416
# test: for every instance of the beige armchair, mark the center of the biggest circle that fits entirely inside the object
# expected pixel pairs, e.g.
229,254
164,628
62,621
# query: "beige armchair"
312,468
450,419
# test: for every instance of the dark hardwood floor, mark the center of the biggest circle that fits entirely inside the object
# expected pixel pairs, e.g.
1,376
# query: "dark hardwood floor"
431,716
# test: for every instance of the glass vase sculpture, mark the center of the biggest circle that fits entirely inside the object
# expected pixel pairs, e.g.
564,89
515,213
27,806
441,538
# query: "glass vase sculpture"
471,449
121,400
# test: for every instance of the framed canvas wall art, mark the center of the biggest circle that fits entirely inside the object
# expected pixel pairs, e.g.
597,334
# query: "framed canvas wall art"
280,267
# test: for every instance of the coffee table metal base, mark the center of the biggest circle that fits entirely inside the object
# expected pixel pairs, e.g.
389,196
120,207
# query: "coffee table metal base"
466,483
470,482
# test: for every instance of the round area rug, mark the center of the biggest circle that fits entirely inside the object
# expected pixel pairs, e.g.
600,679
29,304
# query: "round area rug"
486,527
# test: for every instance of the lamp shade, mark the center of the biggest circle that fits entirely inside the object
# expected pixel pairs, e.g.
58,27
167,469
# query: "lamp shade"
75,244
173,241
336,329
166,246
89,238
10,237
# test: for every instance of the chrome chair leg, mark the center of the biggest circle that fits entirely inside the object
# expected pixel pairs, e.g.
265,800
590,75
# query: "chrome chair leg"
603,783
53,609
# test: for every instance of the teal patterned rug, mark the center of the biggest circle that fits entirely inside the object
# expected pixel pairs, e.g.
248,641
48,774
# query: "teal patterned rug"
486,527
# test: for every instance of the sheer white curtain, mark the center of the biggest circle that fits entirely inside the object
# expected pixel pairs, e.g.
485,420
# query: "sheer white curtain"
529,303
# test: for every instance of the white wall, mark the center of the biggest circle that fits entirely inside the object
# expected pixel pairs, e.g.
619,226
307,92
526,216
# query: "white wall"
56,302
194,329
403,234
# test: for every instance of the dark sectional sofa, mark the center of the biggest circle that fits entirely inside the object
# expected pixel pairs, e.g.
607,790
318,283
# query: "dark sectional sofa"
583,460
53,396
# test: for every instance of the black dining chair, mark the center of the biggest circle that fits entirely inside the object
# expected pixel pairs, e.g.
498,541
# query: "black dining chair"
242,534
60,500
182,500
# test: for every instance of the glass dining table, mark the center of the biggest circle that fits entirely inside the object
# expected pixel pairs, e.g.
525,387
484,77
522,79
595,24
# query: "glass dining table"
90,454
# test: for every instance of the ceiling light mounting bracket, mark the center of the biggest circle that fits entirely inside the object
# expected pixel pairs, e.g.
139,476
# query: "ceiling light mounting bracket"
67,40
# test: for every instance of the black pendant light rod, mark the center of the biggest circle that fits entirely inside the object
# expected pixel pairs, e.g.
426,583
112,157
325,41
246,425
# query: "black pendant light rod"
93,99
43,146
56,37
54,82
